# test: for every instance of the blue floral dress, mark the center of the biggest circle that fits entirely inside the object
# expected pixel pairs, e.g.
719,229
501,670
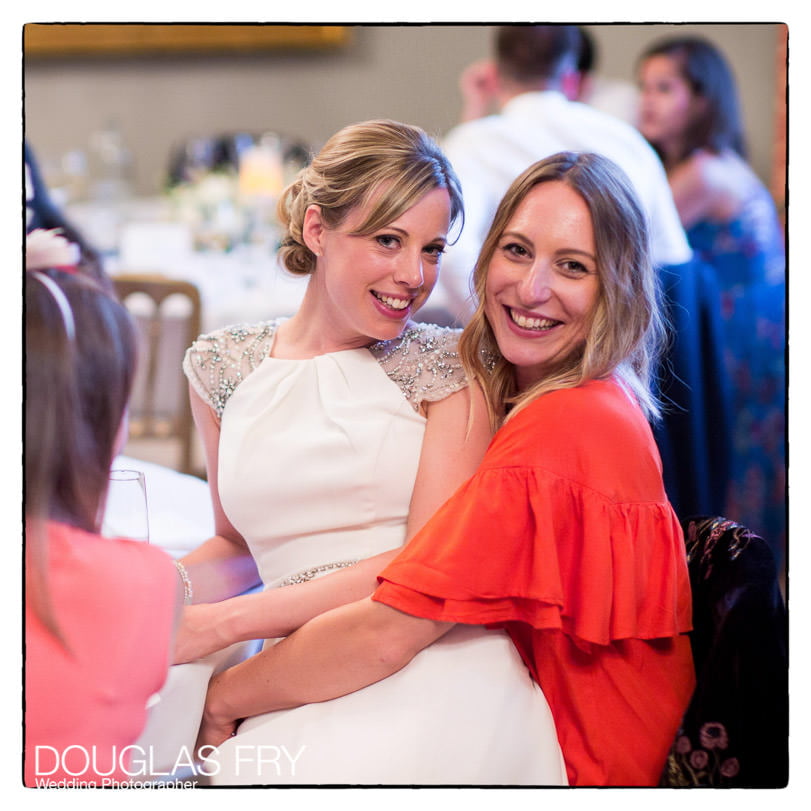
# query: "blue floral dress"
748,256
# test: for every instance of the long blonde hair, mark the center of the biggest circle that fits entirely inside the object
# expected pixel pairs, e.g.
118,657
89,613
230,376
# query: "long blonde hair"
382,162
626,332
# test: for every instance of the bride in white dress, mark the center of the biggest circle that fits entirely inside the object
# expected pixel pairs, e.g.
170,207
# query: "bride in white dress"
331,437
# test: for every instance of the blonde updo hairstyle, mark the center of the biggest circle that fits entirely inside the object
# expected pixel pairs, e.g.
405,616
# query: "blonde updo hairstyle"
626,334
385,163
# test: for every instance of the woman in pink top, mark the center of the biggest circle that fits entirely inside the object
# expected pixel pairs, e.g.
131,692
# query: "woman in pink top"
99,612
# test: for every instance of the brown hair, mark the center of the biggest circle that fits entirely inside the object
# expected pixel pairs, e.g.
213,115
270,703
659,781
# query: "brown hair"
390,163
528,54
626,332
76,392
710,77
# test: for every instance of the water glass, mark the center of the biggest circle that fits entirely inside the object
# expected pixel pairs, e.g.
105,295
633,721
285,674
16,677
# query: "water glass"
126,514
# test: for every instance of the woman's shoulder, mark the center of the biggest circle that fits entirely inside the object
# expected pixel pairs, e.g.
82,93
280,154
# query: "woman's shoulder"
424,362
603,401
81,556
234,337
695,173
135,591
578,429
217,362
725,172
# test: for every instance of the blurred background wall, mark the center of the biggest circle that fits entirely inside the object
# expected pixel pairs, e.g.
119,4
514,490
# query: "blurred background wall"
406,72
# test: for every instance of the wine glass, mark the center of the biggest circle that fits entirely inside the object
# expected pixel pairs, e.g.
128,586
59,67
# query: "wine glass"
125,513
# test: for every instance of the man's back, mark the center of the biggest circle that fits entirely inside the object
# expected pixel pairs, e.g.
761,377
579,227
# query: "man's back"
489,153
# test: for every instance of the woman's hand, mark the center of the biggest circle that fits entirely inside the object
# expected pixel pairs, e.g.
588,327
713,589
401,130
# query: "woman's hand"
201,632
214,732
336,653
216,726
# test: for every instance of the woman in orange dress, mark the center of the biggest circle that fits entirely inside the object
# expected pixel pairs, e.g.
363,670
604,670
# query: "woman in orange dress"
564,536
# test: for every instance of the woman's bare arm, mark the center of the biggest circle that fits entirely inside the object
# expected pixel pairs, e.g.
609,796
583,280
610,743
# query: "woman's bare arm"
456,437
334,654
457,433
222,566
709,187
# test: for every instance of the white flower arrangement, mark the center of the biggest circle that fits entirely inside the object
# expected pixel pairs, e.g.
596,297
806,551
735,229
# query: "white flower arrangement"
47,248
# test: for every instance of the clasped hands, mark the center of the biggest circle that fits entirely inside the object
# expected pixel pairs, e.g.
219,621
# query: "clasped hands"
200,634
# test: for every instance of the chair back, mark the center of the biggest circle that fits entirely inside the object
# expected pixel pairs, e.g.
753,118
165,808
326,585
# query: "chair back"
168,314
735,730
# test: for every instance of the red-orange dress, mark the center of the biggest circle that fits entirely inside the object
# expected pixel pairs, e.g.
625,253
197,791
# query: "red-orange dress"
565,538
114,601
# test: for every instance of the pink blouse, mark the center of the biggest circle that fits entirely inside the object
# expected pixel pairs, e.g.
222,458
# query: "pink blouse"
85,704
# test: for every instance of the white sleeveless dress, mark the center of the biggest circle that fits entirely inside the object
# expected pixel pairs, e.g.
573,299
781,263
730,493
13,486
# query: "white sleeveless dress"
317,462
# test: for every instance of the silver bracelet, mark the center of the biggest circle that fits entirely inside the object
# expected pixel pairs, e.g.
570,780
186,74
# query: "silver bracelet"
184,576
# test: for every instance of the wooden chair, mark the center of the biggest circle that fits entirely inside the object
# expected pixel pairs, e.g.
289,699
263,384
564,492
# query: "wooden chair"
160,403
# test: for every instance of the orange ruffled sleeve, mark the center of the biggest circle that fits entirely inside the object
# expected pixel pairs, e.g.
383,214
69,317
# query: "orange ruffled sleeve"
553,532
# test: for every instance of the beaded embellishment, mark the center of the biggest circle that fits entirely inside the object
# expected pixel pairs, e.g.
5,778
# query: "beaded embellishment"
423,361
309,574
218,362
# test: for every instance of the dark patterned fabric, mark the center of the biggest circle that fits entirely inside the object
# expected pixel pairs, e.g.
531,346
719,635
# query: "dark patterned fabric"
748,258
735,730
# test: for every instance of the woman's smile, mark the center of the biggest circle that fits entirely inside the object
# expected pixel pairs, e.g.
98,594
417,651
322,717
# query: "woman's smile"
373,283
542,281
393,305
529,322
366,286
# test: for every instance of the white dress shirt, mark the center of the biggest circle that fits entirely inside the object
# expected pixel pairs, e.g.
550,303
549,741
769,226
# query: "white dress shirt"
489,153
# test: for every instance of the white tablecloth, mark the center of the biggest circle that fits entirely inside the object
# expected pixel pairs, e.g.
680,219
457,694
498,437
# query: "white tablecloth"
179,506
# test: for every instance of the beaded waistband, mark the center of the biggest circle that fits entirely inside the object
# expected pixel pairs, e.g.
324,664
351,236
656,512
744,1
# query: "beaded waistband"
309,574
